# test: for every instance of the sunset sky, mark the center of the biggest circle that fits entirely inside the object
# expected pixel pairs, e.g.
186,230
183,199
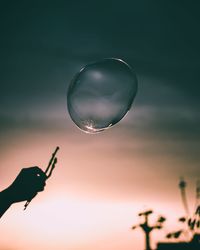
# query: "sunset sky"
102,181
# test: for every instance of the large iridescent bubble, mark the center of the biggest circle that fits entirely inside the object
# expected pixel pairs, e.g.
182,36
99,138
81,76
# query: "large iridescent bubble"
101,94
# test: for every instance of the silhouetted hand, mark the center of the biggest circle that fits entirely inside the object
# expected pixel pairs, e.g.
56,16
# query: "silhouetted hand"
27,184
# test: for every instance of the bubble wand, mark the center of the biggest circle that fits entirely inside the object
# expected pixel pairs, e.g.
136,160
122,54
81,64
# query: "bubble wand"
48,171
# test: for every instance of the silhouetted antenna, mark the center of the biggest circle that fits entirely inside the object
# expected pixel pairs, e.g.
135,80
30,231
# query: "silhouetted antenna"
182,185
197,202
194,221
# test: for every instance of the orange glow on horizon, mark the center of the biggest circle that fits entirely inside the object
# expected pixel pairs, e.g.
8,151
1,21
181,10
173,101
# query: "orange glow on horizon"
97,189
63,221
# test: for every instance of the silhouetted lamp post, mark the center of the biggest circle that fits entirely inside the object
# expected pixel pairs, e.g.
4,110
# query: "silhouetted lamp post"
147,228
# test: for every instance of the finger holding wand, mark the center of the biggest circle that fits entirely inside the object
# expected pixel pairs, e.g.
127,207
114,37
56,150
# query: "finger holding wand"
48,172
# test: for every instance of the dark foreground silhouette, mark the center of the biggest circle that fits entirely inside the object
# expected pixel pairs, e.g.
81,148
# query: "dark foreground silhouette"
27,184
194,244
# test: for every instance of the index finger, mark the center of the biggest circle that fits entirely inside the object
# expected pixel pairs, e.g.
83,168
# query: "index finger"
37,171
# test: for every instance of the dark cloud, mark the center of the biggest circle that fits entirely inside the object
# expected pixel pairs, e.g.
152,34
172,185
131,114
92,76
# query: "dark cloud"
44,43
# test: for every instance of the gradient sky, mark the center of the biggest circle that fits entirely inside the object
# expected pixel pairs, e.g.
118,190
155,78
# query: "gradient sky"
102,181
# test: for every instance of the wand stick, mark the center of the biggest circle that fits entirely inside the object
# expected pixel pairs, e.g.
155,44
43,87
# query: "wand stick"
49,169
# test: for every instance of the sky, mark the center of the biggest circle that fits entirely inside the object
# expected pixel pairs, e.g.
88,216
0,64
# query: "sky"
101,181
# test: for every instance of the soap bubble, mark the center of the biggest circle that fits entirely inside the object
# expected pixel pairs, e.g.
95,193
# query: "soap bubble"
101,94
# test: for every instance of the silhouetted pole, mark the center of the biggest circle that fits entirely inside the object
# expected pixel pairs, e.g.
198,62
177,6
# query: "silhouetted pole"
182,186
147,228
197,203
